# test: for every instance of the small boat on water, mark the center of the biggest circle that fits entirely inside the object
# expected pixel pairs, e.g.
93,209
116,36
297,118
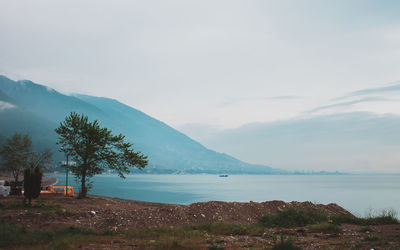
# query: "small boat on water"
223,175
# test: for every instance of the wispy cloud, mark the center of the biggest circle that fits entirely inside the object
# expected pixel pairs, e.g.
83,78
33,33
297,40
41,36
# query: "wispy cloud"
395,87
349,103
5,105
284,97
259,99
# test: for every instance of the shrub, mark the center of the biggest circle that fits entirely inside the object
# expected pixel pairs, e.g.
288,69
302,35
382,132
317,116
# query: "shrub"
285,245
39,206
60,245
11,235
215,246
293,218
32,183
371,237
385,217
325,227
223,228
366,229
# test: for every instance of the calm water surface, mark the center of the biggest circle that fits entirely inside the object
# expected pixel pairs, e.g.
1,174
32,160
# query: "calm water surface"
358,193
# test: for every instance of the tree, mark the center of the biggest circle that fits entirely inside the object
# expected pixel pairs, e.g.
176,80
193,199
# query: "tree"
41,159
33,174
32,183
94,149
16,153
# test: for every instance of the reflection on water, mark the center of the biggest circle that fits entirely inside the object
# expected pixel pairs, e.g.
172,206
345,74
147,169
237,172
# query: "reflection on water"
357,193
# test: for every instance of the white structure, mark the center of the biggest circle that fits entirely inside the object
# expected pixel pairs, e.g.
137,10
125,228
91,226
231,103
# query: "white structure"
70,163
4,190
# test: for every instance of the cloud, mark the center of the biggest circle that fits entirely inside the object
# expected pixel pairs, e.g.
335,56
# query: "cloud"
380,90
6,105
284,97
259,99
49,89
178,60
349,103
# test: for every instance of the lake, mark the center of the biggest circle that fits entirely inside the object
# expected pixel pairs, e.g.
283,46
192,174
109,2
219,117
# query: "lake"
360,194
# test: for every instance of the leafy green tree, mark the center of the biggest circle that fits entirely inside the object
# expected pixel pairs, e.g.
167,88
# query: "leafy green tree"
32,183
94,149
16,153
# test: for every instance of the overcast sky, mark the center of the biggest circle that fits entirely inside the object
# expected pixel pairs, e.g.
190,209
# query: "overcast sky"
215,63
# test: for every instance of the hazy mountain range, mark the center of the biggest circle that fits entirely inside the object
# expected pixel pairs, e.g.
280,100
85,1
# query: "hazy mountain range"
27,107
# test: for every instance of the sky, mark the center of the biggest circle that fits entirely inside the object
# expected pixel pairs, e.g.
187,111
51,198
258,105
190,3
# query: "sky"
208,64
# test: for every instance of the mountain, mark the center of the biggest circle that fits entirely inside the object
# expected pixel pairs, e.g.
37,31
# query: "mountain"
348,142
27,107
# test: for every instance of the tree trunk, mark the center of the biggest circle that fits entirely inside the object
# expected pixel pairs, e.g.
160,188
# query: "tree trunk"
83,191
16,175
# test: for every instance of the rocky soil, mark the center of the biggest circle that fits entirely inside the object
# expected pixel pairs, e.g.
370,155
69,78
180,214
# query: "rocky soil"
118,215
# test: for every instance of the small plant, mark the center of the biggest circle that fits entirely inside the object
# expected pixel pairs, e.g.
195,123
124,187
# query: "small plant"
349,219
108,232
284,245
371,237
215,246
325,227
224,228
385,217
12,235
39,206
366,229
59,245
293,218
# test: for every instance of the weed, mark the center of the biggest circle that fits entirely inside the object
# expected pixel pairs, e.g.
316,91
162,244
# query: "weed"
325,227
108,232
14,235
284,245
293,218
39,206
168,238
366,229
383,218
215,246
224,228
59,245
167,244
371,237
181,232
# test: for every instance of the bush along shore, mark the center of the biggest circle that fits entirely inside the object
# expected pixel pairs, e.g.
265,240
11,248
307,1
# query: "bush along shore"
58,222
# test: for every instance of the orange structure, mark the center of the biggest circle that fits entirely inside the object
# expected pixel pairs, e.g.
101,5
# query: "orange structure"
66,190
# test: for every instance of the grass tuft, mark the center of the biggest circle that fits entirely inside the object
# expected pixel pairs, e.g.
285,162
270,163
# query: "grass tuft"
224,228
215,246
38,206
285,245
371,237
385,217
293,218
14,235
325,227
60,245
366,229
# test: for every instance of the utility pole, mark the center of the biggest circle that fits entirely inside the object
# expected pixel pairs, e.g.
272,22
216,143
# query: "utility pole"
66,178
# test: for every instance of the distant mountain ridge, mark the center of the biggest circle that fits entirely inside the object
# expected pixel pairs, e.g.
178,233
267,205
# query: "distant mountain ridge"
346,142
27,107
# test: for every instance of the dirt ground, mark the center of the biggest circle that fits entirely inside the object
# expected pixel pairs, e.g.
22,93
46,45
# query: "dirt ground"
118,215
